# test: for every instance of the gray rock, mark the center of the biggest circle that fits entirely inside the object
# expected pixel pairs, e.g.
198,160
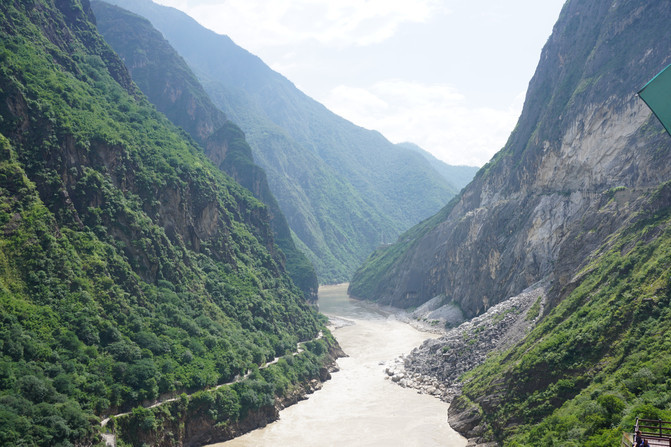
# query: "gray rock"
435,366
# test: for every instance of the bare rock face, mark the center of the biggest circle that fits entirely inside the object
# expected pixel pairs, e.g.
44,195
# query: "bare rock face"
578,167
465,418
437,313
583,152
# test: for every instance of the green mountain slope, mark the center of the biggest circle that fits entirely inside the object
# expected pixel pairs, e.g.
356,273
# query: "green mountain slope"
130,266
343,189
459,176
168,82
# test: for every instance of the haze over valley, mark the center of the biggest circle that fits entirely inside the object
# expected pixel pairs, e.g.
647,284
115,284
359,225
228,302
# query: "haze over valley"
194,251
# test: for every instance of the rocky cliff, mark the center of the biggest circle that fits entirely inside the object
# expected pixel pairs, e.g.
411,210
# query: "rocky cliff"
579,199
584,150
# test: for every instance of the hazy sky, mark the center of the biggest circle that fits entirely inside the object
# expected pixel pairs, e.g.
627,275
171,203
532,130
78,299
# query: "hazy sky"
448,75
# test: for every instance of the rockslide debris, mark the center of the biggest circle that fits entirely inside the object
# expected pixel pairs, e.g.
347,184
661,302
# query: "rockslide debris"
435,367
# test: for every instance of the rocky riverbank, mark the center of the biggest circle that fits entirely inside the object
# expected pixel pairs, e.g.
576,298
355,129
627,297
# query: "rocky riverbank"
435,367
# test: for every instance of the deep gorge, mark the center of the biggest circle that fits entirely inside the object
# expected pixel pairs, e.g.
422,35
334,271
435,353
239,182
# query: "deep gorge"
169,206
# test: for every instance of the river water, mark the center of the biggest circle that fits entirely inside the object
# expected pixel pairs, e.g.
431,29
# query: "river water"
358,406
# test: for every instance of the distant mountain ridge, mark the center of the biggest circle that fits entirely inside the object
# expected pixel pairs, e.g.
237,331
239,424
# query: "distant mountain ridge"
343,189
459,176
169,83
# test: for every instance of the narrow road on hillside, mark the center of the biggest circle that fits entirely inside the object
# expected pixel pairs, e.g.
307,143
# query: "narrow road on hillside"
110,439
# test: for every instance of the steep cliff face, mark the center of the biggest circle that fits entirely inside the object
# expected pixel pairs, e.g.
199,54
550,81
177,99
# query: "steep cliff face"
168,82
584,151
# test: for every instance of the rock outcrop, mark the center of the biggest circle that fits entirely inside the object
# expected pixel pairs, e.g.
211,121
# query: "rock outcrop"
585,165
584,151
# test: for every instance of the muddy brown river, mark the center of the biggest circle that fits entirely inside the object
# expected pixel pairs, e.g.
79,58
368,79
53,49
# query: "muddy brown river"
358,406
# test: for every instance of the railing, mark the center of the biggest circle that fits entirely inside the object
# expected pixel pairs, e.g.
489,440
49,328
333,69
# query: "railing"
656,432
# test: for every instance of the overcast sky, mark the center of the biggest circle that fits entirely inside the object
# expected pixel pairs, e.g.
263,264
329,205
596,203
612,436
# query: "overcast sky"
448,75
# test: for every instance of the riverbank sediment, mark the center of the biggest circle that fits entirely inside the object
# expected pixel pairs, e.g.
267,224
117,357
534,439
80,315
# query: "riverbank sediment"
437,365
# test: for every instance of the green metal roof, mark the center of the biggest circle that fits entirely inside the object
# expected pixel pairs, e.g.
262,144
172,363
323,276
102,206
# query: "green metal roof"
657,95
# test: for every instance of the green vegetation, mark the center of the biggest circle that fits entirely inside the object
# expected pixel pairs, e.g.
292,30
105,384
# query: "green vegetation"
601,357
534,310
222,408
370,277
130,266
344,190
459,176
168,82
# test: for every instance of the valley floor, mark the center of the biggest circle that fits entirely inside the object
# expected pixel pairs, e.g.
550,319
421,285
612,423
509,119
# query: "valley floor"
360,405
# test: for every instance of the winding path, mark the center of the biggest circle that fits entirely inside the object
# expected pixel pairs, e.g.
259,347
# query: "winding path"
110,438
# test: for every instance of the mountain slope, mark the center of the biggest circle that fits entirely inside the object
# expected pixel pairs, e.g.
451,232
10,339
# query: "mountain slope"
130,266
582,154
598,360
343,189
458,176
578,202
168,82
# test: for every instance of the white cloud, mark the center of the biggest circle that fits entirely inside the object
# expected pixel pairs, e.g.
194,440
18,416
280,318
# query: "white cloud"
263,23
436,117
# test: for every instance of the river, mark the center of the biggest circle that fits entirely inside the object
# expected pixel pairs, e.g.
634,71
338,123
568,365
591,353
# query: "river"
358,406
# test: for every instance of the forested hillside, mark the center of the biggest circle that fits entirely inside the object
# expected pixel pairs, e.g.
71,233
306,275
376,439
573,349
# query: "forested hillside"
168,82
344,190
597,361
130,266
